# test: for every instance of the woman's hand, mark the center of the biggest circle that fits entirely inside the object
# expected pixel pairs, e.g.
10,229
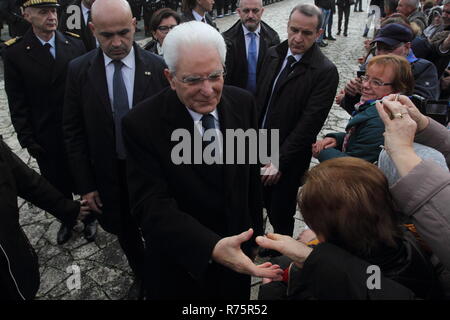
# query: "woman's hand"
325,143
421,120
293,249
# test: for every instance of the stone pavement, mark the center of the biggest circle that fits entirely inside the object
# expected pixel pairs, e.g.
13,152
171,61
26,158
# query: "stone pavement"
103,268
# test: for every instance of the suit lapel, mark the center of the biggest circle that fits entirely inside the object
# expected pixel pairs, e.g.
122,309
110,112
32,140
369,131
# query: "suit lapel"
97,77
37,51
142,76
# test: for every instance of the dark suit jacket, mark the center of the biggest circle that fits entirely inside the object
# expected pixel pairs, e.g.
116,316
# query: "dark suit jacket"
236,61
188,16
184,210
301,105
89,125
84,32
35,85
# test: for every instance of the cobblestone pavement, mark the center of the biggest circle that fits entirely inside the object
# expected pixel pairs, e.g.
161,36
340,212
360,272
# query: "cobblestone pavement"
104,270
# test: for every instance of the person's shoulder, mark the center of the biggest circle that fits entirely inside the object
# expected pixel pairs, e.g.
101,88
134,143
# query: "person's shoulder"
232,31
151,57
268,29
149,107
12,45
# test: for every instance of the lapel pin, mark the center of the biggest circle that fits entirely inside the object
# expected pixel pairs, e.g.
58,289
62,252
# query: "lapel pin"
28,48
147,73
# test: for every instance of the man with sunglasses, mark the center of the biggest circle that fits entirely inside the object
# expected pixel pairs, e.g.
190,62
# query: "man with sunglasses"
103,85
247,43
194,214
395,39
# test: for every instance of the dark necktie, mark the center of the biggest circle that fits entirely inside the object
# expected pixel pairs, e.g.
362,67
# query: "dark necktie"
252,61
89,19
281,78
49,55
208,122
120,105
203,20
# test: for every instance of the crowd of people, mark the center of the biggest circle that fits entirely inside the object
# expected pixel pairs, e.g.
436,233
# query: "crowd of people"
100,114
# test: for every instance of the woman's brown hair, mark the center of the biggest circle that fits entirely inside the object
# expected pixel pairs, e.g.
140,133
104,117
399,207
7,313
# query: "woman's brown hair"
346,201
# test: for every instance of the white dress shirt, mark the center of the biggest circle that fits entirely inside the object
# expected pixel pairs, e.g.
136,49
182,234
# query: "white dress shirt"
50,42
86,17
198,17
248,39
128,72
197,117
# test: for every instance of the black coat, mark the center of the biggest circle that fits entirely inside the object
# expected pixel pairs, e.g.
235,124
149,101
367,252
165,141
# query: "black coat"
89,125
184,210
236,61
188,16
35,90
301,104
84,32
17,256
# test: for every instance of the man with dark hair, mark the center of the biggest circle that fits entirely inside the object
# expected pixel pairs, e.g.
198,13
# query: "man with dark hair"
295,93
35,79
198,10
247,43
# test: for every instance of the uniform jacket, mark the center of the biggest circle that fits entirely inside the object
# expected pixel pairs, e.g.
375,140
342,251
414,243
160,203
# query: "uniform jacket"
364,141
301,105
236,61
89,125
18,261
84,32
184,210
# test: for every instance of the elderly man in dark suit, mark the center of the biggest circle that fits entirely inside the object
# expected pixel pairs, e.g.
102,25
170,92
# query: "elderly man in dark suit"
295,93
35,78
247,43
79,26
194,217
103,86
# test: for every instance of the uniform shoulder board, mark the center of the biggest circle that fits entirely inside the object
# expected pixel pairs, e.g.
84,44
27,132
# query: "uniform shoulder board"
10,42
73,34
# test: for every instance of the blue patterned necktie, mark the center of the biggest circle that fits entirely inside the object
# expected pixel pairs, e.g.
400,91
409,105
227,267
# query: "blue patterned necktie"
208,122
120,105
252,61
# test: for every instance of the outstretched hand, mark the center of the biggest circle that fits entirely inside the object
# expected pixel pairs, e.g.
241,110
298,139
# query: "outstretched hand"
296,251
228,252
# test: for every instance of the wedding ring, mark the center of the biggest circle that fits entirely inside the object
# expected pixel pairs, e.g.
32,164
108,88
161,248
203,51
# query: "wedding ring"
398,115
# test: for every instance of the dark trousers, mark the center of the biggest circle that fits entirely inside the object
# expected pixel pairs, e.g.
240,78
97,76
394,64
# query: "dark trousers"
346,12
358,2
129,235
280,201
330,23
220,4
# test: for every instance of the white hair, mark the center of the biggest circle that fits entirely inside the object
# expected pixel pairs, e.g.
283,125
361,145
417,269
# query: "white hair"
191,34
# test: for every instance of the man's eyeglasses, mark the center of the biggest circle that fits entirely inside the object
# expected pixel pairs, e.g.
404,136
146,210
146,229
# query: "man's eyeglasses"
166,28
380,46
194,80
254,10
375,82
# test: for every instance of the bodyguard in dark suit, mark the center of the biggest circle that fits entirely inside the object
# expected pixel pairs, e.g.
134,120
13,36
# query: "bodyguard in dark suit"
247,43
79,26
295,93
194,217
103,85
35,78
197,10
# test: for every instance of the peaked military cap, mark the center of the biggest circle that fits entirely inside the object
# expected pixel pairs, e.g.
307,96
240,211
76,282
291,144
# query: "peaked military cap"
40,3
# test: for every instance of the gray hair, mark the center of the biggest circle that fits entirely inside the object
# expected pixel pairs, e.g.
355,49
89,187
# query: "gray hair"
238,4
413,3
190,34
309,10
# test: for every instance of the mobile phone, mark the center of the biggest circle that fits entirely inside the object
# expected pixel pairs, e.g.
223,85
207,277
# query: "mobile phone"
360,73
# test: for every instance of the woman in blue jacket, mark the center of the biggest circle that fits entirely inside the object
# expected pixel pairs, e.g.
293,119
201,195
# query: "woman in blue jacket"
386,74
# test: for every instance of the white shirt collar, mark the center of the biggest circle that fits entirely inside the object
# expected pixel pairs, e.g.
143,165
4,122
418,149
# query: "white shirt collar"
197,16
246,31
85,9
296,56
128,61
51,41
198,116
